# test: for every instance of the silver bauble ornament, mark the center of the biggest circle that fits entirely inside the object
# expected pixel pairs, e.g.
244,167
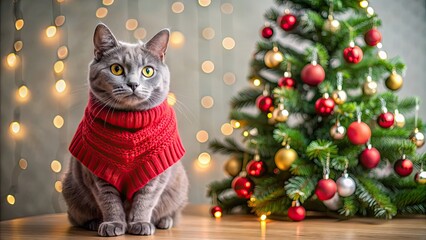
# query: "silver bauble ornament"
420,177
337,131
333,203
417,138
345,185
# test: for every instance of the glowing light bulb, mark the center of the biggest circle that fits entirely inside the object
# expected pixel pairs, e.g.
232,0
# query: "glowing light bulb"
101,12
59,66
263,217
217,214
10,199
204,3
62,52
56,166
58,121
204,159
382,55
269,115
228,43
246,134
60,86
370,11
363,4
23,91
15,127
58,186
19,24
226,129
235,124
202,136
177,39
257,82
51,31
171,99
107,2
207,66
11,59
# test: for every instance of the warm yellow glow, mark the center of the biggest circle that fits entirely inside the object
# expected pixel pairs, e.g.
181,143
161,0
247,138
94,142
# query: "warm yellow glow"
235,124
226,129
139,33
246,133
60,20
204,3
202,136
229,78
363,4
379,45
58,121
382,55
178,7
107,2
207,66
15,127
11,59
207,102
228,43
252,199
10,199
23,91
263,217
208,33
56,166
204,158
101,12
51,31
19,24
62,52
60,1
58,186
370,11
18,45
131,24
227,8
217,214
23,164
59,66
177,39
257,82
60,85
171,99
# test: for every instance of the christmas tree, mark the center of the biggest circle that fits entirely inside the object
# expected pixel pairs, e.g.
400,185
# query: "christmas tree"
321,136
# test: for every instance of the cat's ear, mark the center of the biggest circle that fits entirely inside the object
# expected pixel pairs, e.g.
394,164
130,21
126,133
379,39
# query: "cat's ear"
103,39
158,44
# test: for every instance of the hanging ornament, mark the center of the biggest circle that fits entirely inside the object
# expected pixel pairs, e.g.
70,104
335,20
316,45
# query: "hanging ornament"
243,186
358,132
399,119
296,212
345,185
256,167
385,119
216,211
326,188
417,137
333,203
403,167
273,57
339,96
233,166
352,54
285,156
280,114
267,32
287,22
324,106
264,102
372,37
313,74
394,81
287,81
369,87
331,24
420,177
369,157
337,131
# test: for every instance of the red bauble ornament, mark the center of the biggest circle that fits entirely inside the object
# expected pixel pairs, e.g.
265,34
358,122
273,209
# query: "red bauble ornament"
267,32
256,168
287,82
372,37
385,120
324,106
243,187
326,188
264,103
297,213
216,211
312,74
369,157
352,54
287,22
358,133
403,167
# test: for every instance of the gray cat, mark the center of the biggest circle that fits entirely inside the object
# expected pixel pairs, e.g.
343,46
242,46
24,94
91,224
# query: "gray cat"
102,193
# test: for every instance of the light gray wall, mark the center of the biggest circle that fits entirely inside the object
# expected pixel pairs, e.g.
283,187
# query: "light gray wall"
404,32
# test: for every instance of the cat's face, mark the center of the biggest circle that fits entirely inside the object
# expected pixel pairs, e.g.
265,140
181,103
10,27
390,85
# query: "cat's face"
127,76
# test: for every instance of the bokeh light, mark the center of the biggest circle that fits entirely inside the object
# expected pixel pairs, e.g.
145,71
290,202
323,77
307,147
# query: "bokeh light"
10,199
139,33
227,8
207,66
207,102
58,121
60,85
19,24
51,31
101,12
18,45
202,136
59,66
23,164
178,7
131,24
56,166
204,3
228,43
226,129
62,52
208,33
177,39
229,78
60,20
171,99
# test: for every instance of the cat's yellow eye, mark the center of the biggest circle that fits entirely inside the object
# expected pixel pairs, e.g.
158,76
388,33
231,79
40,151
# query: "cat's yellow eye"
148,71
116,69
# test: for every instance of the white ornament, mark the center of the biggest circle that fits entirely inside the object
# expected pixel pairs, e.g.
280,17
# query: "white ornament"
333,203
345,185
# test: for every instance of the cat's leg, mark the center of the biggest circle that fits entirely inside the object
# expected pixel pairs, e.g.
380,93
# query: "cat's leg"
144,201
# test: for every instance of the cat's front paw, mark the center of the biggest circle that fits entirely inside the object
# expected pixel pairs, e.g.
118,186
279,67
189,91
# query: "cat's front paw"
165,223
141,228
111,229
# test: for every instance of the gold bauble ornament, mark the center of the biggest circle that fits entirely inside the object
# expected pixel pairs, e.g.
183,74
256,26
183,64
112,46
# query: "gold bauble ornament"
369,87
285,157
339,97
420,177
273,58
417,138
337,131
331,25
394,81
233,166
399,119
280,114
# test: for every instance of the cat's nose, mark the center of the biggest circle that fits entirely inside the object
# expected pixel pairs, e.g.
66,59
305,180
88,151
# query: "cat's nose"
133,85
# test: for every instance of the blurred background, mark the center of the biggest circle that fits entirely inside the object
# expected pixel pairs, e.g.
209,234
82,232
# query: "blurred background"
46,47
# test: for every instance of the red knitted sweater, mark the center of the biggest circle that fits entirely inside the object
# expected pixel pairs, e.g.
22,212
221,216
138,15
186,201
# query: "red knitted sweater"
127,149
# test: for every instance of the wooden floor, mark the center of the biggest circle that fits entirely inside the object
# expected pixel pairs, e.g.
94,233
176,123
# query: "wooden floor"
197,224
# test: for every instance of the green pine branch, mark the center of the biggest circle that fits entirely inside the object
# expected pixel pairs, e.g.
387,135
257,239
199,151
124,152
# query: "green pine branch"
300,187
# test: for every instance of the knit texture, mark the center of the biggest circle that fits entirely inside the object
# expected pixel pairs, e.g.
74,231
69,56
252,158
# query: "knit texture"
127,149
